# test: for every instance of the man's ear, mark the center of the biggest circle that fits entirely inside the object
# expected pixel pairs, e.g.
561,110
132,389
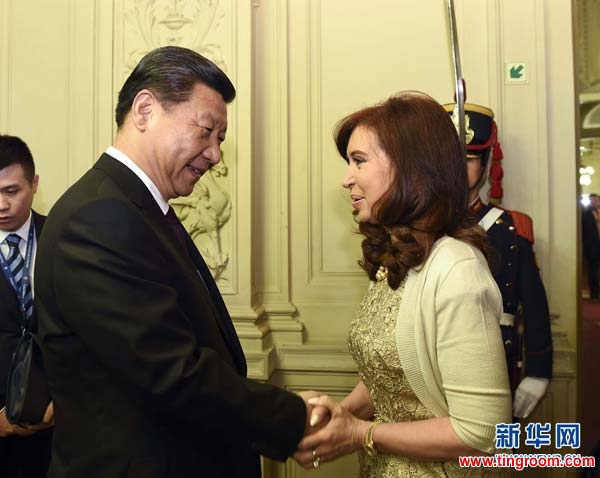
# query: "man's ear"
34,183
144,105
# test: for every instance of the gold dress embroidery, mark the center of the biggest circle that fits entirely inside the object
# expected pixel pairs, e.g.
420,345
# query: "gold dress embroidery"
372,342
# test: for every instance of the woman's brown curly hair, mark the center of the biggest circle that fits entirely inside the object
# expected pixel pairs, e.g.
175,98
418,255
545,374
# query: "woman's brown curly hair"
428,195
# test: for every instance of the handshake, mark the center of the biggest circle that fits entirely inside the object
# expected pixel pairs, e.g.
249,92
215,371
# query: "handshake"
331,431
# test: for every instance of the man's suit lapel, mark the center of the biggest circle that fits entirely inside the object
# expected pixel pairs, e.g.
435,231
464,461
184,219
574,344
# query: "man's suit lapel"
10,302
225,323
133,187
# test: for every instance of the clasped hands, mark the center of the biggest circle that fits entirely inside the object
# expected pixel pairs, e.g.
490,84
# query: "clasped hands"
331,431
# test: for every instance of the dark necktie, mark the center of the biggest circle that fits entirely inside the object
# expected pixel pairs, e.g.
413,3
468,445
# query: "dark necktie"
205,276
16,265
177,227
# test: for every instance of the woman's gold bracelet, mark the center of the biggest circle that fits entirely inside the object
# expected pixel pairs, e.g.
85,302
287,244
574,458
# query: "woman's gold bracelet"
369,445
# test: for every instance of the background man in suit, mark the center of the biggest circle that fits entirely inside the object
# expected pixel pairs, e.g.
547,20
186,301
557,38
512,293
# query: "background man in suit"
24,452
590,220
146,371
525,323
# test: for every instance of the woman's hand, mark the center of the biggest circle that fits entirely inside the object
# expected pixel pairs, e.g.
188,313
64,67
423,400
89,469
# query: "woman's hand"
8,429
343,435
317,416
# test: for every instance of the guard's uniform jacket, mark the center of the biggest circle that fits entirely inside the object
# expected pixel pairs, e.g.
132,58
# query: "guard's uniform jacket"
525,304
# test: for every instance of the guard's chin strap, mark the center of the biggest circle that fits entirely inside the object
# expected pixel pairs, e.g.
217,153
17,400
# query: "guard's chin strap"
482,174
480,181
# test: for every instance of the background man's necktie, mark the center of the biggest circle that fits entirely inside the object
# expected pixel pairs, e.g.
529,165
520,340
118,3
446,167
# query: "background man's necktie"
16,265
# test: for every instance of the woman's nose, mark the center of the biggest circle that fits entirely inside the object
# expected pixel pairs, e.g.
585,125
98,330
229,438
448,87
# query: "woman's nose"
348,180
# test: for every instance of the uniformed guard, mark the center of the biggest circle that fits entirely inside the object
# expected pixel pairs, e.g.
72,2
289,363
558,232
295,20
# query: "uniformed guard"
525,323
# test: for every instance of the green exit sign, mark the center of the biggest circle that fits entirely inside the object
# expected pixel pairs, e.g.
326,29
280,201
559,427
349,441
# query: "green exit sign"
516,73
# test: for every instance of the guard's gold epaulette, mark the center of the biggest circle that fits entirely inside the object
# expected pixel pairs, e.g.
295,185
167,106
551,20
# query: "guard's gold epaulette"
523,224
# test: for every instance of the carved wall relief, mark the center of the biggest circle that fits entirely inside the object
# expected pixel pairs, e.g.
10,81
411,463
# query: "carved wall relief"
204,212
174,22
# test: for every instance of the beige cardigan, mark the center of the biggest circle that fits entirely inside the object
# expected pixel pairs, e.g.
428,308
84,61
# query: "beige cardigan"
450,345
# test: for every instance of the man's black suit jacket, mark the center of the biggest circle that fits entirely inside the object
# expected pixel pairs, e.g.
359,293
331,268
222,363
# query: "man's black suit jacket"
589,235
145,369
10,319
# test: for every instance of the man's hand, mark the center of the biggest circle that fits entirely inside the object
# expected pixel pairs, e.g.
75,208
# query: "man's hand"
342,435
47,421
7,429
316,416
528,394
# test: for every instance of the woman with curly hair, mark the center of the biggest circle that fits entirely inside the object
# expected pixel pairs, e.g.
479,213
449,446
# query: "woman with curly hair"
426,340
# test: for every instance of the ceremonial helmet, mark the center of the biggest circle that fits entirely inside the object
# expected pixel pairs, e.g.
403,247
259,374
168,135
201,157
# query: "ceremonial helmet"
480,129
481,140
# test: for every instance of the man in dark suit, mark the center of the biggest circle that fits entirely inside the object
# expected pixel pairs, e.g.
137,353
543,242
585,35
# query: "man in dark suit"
146,372
525,323
24,452
591,244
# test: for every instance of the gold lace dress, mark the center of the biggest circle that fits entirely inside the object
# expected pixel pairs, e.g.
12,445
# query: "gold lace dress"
372,342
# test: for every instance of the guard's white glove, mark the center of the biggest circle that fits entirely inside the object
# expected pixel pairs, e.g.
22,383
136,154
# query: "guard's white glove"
529,392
